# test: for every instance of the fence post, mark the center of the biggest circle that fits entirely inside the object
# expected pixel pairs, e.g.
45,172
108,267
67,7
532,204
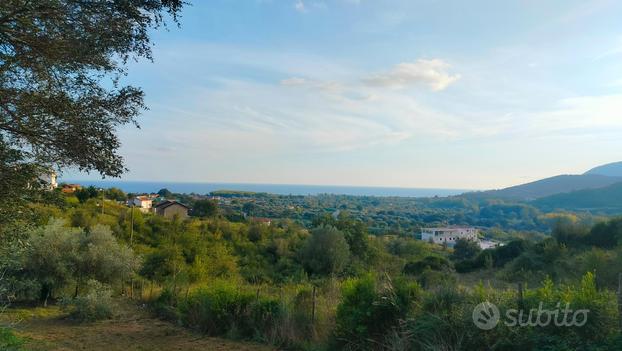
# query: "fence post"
620,299
521,302
313,308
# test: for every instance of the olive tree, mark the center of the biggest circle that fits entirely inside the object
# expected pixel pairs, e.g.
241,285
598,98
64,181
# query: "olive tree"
58,257
326,251
61,100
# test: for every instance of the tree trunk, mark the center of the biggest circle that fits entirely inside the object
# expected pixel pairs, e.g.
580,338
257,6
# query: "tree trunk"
45,301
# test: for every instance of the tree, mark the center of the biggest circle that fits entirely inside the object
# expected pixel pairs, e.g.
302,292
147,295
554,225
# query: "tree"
57,256
48,260
61,100
205,208
115,194
86,193
100,257
465,249
165,193
249,208
355,232
326,251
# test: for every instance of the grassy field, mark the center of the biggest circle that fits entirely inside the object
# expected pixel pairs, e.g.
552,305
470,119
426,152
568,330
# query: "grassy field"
132,329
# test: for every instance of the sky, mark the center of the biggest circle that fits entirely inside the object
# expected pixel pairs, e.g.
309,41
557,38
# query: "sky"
404,93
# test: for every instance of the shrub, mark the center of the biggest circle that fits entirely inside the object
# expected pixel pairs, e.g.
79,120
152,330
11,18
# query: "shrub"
496,257
465,249
95,305
434,263
224,309
9,341
326,251
371,309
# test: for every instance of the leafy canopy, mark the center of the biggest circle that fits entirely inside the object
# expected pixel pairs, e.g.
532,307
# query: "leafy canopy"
61,99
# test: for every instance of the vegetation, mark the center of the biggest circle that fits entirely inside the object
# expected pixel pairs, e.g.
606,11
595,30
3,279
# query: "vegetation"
62,101
8,340
327,284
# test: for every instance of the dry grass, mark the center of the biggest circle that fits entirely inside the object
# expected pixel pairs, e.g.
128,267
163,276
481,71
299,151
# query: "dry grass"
132,329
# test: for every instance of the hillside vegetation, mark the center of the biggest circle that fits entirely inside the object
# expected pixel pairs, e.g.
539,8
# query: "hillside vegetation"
607,199
323,285
549,186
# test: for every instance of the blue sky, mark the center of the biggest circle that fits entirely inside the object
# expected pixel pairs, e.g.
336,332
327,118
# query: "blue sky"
450,94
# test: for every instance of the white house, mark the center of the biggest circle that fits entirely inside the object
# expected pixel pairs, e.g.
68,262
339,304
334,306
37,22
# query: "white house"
144,203
49,180
449,235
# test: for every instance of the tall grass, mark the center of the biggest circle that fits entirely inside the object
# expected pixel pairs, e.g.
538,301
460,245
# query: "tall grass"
374,312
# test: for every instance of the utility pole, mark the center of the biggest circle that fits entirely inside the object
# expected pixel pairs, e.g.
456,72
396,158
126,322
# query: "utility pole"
102,190
132,224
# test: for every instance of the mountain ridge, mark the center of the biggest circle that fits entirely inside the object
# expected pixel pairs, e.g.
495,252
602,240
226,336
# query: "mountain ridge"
595,178
613,169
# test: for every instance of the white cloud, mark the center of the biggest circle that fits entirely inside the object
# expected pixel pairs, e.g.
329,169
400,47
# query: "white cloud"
582,114
294,81
329,110
432,73
300,6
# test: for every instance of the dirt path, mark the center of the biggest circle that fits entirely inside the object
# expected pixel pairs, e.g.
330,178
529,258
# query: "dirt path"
133,329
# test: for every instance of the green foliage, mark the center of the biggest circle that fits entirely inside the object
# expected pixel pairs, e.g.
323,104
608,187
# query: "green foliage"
210,270
433,263
95,305
465,249
9,341
325,251
115,194
205,208
57,108
605,199
371,308
496,257
87,193
165,193
355,232
223,308
606,234
57,256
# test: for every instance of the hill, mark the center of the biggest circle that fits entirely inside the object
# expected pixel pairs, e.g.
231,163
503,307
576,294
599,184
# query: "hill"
549,186
607,199
611,169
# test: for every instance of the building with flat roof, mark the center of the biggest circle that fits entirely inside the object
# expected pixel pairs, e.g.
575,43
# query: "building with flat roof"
449,235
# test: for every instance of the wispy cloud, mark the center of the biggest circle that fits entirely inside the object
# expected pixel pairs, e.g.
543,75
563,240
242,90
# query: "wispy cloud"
299,5
432,73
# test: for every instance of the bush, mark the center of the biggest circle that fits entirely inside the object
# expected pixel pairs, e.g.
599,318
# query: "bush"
224,309
9,341
496,257
371,309
325,252
95,305
434,263
465,249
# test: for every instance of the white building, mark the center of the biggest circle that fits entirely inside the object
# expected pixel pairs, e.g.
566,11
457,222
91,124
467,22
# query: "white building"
449,235
144,203
49,180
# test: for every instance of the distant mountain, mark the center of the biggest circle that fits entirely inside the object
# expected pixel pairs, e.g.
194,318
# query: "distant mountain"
611,169
607,199
549,186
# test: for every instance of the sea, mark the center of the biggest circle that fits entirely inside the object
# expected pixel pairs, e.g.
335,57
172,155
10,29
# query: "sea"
280,189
